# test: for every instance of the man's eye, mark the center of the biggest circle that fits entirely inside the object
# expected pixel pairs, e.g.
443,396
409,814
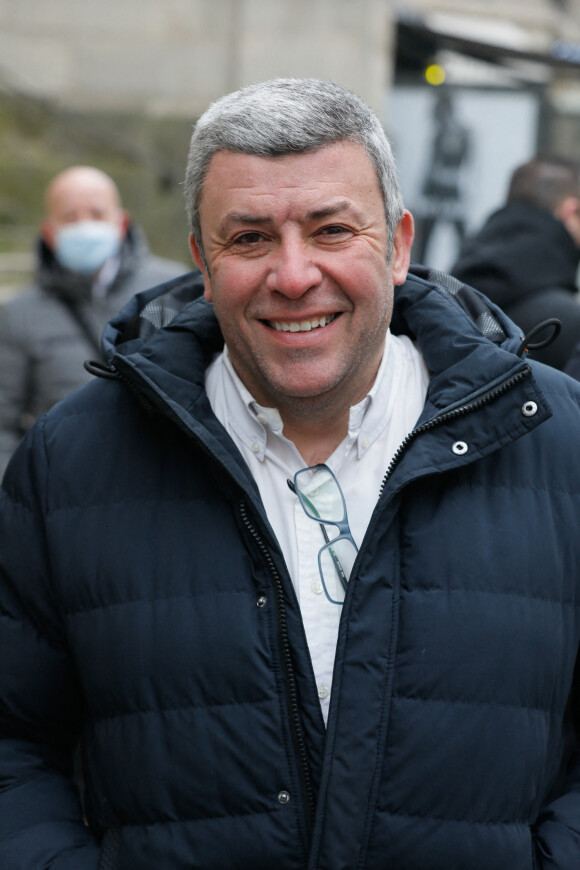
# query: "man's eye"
248,239
333,230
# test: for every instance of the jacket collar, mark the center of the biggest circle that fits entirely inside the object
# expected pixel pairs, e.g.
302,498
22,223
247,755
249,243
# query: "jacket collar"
482,394
467,342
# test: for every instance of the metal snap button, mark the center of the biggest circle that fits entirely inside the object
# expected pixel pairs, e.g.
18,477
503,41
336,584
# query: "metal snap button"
261,602
284,797
529,409
460,448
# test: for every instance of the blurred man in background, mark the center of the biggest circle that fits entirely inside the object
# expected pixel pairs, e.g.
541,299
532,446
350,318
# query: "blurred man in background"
91,259
525,258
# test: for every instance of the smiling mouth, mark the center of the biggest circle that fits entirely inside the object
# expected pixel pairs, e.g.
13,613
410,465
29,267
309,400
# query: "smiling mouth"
300,325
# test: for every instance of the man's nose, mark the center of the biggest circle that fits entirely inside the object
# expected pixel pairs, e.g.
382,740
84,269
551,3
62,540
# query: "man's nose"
293,270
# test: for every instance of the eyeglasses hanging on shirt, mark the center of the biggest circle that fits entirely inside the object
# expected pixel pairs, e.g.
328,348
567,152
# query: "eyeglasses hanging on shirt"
322,499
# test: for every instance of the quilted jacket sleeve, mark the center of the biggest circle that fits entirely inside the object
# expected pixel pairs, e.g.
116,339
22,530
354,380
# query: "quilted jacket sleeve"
41,823
14,372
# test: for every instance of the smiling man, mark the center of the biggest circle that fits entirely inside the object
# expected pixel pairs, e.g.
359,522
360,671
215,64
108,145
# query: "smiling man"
299,573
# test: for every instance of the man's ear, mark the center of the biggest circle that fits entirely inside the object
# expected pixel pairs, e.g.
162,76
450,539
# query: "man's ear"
401,256
567,208
124,221
48,234
199,262
568,212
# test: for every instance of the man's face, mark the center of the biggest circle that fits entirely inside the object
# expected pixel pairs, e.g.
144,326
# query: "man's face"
296,251
568,211
81,194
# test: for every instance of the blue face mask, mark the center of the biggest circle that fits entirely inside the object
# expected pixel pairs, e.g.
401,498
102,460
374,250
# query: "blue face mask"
84,246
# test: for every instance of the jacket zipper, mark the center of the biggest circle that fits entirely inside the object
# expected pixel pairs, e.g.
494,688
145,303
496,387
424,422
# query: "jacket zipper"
461,411
296,721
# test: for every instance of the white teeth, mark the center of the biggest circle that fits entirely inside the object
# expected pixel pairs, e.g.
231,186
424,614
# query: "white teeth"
303,325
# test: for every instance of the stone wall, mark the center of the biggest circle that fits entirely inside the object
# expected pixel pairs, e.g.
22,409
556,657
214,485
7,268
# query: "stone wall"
118,83
172,57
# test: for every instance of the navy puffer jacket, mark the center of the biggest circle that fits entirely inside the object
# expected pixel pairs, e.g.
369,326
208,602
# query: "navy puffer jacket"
147,619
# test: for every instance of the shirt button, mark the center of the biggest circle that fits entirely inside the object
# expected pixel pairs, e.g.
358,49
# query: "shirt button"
323,692
364,443
316,587
263,419
257,447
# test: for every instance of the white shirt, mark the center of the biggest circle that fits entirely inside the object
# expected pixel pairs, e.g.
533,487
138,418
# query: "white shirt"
377,426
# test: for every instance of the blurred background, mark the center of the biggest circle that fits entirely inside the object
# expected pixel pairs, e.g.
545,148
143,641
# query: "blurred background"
466,89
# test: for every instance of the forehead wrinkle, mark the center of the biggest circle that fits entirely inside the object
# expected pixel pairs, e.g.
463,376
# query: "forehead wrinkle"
344,205
235,218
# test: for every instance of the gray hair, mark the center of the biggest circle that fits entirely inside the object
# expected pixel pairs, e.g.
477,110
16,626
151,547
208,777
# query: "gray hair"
286,116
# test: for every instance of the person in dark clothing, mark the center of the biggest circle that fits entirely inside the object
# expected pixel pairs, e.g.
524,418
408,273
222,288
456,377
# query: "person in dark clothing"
525,258
295,580
91,258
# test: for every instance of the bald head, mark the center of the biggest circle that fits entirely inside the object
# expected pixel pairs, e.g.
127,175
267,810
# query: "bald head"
81,193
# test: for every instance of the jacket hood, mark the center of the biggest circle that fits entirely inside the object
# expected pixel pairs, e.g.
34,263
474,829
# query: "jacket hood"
170,304
161,344
74,287
156,309
520,251
172,328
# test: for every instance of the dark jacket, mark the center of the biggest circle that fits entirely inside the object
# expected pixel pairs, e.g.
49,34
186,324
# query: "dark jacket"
526,261
49,329
572,367
147,616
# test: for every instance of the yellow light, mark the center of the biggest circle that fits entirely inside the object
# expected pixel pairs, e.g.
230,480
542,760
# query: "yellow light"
434,74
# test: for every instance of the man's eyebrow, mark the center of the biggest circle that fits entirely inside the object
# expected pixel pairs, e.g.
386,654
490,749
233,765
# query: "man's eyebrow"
344,205
235,218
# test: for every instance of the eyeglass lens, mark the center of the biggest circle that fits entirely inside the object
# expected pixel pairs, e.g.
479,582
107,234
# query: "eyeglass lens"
321,495
322,499
336,560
